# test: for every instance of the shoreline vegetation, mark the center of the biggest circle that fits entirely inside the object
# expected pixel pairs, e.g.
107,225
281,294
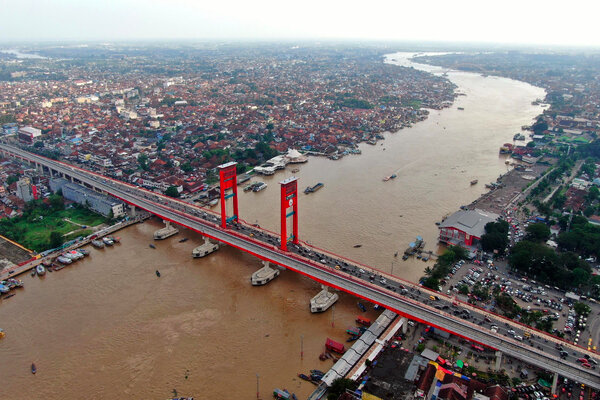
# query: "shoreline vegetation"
48,224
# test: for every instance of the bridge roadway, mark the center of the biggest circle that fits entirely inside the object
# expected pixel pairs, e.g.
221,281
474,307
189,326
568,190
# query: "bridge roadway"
412,302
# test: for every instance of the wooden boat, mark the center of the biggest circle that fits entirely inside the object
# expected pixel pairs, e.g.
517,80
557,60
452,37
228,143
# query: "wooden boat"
158,273
356,246
152,246
352,332
33,368
474,182
303,376
8,296
183,240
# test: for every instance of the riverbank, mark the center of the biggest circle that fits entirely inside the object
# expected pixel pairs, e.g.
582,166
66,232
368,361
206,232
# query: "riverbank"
37,260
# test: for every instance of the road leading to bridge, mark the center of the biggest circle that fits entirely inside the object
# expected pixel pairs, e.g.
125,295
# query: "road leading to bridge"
397,295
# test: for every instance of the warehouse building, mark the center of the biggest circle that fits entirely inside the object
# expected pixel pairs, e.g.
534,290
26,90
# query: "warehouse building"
98,202
465,227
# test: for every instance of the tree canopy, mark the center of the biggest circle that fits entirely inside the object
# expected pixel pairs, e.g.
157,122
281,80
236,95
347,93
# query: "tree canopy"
538,232
495,236
172,191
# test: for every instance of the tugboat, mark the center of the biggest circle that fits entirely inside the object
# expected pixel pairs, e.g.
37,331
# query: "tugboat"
312,189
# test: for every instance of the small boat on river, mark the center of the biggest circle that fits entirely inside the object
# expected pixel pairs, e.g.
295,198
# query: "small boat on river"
474,182
304,377
152,246
40,270
33,368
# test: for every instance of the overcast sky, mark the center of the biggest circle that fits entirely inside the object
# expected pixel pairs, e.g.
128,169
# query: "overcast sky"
572,22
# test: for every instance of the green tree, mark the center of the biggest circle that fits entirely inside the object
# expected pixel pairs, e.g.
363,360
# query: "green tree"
187,167
56,239
539,127
339,386
582,308
495,236
538,232
266,150
12,179
593,193
57,202
172,191
143,161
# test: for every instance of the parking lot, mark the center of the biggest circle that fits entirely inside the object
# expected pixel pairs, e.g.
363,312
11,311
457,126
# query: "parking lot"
552,302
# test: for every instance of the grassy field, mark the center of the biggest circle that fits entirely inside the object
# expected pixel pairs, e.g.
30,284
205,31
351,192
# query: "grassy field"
33,230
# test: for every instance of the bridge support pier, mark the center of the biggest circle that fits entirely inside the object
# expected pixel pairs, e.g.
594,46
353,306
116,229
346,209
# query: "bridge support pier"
264,275
205,249
498,364
165,232
323,300
404,325
132,210
554,383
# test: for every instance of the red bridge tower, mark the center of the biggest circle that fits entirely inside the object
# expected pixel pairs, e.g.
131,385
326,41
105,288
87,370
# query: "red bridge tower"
228,180
289,198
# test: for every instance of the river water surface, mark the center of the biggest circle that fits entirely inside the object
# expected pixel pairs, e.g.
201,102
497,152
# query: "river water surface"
108,327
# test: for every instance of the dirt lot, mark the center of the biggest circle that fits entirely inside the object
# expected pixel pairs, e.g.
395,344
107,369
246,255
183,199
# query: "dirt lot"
510,186
11,253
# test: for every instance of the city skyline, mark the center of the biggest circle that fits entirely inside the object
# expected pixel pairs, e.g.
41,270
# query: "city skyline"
512,22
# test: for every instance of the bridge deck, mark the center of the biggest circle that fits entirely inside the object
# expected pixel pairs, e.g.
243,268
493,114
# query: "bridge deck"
413,303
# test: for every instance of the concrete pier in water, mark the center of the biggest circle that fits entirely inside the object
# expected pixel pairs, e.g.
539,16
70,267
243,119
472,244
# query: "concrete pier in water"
264,275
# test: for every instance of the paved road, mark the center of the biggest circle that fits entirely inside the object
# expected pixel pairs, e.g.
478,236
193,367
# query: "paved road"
400,296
